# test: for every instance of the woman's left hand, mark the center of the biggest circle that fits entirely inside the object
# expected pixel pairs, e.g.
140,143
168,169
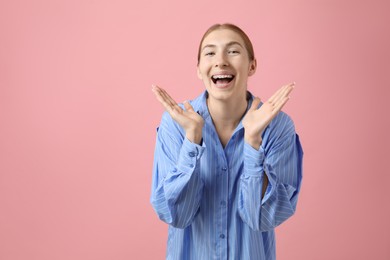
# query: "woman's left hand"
256,120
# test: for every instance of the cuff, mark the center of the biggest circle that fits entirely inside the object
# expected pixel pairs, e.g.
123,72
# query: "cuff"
253,160
190,153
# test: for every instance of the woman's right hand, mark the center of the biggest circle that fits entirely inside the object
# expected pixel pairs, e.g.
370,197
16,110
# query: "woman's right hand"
188,119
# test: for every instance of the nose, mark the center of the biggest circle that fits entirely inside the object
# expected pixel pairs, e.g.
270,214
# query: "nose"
221,60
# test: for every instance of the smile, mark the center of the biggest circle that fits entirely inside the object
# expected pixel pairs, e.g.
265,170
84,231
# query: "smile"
222,79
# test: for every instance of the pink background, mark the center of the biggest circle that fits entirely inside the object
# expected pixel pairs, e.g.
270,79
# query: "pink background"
78,120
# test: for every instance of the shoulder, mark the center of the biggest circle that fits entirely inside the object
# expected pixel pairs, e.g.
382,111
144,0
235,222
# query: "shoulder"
282,126
168,125
283,120
279,134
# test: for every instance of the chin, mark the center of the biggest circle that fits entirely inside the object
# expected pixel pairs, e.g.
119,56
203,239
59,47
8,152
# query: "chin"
219,94
224,93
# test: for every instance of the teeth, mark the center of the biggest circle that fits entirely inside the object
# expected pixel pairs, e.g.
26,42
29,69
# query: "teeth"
222,76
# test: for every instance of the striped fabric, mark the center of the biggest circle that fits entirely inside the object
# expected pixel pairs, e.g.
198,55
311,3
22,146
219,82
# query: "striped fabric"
211,196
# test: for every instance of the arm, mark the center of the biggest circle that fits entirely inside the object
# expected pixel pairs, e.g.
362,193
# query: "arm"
282,166
176,186
270,183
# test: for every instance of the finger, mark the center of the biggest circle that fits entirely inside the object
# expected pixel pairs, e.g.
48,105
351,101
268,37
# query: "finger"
169,99
164,98
154,87
169,102
281,92
188,106
285,93
277,93
280,105
272,98
161,98
255,103
158,93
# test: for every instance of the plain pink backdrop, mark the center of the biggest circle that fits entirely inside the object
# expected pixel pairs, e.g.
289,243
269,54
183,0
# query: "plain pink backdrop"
78,120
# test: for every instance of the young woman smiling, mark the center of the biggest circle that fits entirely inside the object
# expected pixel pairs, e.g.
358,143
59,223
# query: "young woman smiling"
227,167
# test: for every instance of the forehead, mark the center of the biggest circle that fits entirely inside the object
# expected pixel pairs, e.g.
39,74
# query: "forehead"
222,37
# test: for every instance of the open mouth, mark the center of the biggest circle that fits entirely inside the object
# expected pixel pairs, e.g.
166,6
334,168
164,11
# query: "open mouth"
222,79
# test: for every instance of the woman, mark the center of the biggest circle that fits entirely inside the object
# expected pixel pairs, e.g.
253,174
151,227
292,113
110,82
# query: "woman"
227,167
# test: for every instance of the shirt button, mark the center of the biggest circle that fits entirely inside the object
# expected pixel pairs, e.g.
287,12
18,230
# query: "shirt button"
222,236
191,154
224,169
174,170
191,165
223,203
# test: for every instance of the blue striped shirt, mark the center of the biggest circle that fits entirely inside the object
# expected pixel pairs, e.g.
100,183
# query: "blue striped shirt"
211,196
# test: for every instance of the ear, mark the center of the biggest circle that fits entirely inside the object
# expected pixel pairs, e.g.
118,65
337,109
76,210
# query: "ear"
198,72
252,67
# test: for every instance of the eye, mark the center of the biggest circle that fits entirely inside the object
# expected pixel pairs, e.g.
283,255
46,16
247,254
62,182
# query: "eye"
209,53
233,52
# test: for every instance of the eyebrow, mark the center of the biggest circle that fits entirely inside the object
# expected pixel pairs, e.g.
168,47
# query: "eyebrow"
227,45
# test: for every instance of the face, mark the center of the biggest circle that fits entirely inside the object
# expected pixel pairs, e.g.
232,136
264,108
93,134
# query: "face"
224,65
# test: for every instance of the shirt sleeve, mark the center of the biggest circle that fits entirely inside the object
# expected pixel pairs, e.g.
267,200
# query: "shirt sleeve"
176,185
281,161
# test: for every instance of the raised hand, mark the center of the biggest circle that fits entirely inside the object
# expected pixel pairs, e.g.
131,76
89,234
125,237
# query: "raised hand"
256,120
187,118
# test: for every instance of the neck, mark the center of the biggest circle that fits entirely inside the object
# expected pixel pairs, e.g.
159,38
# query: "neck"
227,113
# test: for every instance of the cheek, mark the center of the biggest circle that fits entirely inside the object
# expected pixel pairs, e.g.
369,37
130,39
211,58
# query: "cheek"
203,71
